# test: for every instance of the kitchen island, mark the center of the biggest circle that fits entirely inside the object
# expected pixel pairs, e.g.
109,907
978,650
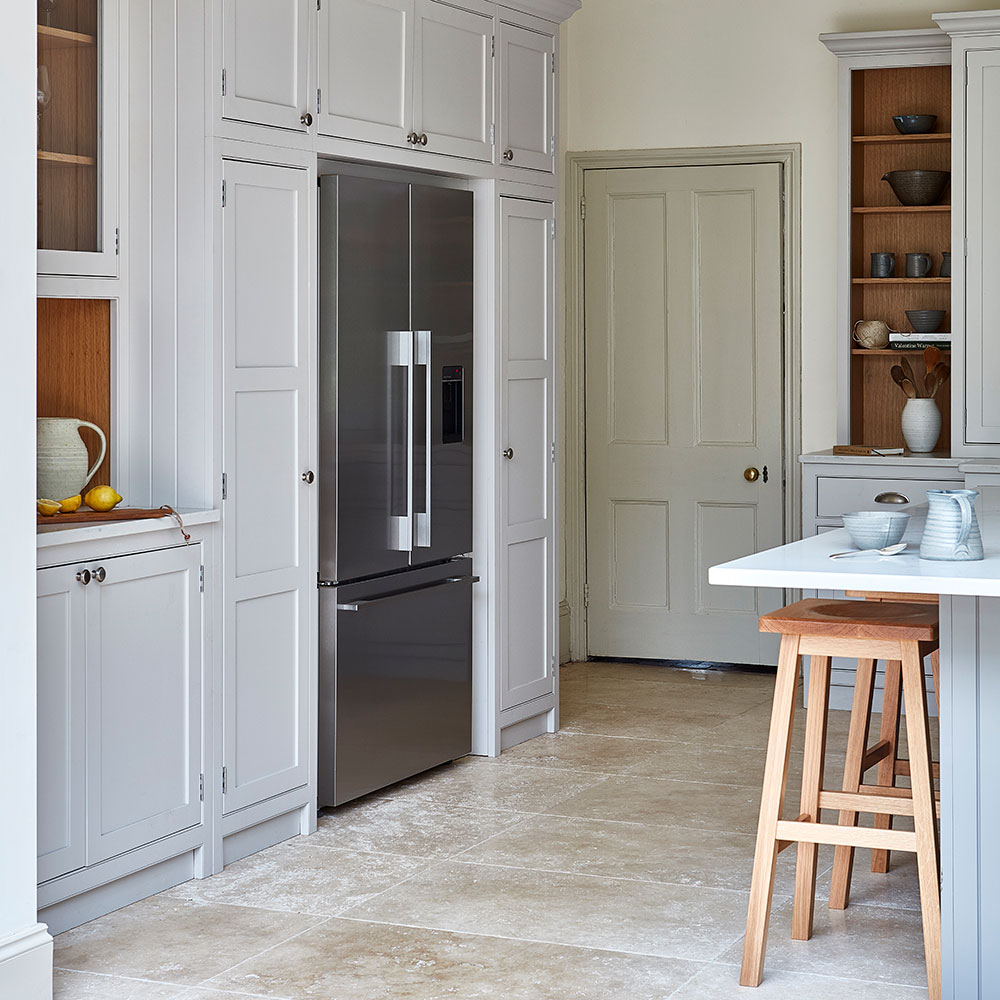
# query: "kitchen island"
969,717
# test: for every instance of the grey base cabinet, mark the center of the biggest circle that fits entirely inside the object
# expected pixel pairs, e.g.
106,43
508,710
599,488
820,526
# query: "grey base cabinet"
119,705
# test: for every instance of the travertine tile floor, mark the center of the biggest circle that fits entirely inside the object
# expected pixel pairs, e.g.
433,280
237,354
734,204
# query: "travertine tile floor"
609,861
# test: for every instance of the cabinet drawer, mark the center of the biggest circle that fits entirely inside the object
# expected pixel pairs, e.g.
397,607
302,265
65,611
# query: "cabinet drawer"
836,495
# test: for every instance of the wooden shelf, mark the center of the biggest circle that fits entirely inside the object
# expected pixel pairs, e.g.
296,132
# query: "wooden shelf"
897,350
66,159
898,209
920,137
59,38
900,281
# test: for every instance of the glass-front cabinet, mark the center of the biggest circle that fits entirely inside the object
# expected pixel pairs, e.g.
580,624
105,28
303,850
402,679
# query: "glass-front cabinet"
78,88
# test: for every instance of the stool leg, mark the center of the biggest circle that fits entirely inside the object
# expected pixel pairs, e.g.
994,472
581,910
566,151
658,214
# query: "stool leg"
887,766
857,745
812,784
924,820
779,742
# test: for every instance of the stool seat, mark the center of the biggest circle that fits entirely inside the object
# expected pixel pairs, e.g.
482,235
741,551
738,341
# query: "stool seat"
817,616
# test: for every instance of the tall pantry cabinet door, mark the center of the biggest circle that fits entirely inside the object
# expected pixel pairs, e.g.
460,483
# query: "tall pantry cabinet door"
364,58
265,62
61,678
453,80
982,262
143,699
527,98
527,466
269,589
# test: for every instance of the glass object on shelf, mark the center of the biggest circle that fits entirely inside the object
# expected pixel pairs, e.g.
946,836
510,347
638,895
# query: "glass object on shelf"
69,161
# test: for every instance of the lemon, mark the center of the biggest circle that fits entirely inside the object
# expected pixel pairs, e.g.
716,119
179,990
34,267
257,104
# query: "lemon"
47,507
101,498
71,504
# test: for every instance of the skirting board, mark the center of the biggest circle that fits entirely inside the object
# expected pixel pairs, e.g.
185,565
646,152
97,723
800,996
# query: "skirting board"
520,732
26,964
243,843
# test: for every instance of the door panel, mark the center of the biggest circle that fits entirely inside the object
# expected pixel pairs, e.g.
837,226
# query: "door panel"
266,61
365,52
684,392
143,700
269,570
527,480
62,777
453,80
527,89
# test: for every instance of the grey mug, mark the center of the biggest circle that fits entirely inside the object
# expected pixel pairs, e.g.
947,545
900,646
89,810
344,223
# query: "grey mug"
946,264
918,265
883,264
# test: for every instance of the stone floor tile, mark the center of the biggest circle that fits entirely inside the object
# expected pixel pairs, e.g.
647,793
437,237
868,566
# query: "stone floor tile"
674,724
581,752
68,985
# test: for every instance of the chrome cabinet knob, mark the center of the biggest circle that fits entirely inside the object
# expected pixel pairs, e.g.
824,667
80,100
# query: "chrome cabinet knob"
308,476
83,576
508,155
508,453
423,139
413,138
306,119
100,575
751,475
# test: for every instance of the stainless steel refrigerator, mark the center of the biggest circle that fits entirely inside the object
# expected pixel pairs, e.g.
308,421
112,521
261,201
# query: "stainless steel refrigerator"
395,484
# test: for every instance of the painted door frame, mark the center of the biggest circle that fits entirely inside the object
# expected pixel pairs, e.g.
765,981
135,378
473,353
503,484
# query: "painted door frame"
789,158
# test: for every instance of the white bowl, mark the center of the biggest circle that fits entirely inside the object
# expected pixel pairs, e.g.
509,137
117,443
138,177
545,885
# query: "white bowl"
875,529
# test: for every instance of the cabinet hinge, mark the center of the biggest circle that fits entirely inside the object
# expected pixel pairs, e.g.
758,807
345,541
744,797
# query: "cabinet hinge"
223,82
553,62
493,133
553,451
552,144
493,47
583,208
225,780
223,193
319,4
319,100
553,229
201,578
225,486
586,595
118,241
201,787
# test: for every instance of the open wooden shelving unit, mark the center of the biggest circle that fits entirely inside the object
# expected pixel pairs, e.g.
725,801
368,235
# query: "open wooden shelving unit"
880,223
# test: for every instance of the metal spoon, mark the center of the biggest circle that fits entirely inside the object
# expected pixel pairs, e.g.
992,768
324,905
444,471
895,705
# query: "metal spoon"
889,550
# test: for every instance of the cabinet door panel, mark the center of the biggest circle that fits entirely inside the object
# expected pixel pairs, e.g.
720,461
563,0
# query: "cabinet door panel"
453,80
143,700
527,561
62,825
270,575
527,87
365,52
265,53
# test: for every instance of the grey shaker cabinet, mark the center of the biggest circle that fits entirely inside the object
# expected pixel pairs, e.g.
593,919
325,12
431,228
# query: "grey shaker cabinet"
119,726
527,98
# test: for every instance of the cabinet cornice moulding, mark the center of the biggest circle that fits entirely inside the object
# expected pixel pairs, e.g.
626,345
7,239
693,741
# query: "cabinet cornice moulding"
550,10
979,22
861,43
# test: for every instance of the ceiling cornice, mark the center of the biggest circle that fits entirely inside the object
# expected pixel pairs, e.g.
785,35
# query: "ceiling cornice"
862,43
550,10
981,22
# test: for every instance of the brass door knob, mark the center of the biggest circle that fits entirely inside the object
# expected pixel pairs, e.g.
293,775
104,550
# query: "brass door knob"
751,475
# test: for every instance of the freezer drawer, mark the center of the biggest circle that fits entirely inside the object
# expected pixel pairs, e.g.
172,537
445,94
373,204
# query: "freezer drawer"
395,678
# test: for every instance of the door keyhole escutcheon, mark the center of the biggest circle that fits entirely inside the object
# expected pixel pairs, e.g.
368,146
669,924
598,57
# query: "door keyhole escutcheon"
751,475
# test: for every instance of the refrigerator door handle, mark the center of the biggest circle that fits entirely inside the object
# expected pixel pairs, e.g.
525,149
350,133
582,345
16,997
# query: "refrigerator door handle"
361,605
422,521
401,356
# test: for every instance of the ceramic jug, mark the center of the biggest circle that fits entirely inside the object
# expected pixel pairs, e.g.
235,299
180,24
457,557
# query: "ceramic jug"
951,533
62,457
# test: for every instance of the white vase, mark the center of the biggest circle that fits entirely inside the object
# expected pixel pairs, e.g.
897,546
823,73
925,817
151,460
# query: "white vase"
62,457
921,424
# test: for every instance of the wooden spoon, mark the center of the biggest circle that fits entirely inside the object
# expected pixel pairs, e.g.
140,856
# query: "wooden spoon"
907,370
940,376
897,375
932,382
909,388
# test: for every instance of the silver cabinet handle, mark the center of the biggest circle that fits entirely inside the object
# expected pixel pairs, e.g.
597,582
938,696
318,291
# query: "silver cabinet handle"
100,575
308,476
508,155
401,355
423,139
892,497
361,605
83,576
413,139
306,119
422,358
508,453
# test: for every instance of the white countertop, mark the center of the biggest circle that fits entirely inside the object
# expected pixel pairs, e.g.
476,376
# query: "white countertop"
827,457
807,565
63,534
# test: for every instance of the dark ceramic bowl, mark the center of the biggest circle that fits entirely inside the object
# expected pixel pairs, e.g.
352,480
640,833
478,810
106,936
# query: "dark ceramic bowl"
914,124
918,187
925,320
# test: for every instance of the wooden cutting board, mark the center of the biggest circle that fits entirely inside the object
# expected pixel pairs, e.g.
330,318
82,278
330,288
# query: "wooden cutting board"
94,516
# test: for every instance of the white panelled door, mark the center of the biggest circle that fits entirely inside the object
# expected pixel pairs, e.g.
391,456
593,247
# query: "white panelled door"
683,274
527,466
268,399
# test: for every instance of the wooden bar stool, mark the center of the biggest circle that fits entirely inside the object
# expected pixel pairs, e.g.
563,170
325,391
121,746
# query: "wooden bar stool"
867,631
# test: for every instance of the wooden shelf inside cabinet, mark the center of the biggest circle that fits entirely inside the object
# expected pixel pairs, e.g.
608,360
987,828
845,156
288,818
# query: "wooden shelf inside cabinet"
920,137
66,159
900,281
898,209
895,350
60,38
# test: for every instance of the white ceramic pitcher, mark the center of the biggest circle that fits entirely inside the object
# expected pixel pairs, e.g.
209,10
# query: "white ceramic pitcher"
62,457
951,533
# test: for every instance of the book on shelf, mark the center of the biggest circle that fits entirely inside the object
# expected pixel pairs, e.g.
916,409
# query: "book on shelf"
865,449
918,341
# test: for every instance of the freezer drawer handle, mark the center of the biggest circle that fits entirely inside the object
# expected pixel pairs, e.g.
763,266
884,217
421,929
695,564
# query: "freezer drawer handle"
361,605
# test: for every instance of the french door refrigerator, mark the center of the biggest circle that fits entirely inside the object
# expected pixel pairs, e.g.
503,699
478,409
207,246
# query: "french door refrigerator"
395,482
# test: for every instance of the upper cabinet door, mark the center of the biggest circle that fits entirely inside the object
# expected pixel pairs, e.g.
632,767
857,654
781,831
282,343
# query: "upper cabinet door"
453,81
78,138
527,93
365,67
265,62
982,263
